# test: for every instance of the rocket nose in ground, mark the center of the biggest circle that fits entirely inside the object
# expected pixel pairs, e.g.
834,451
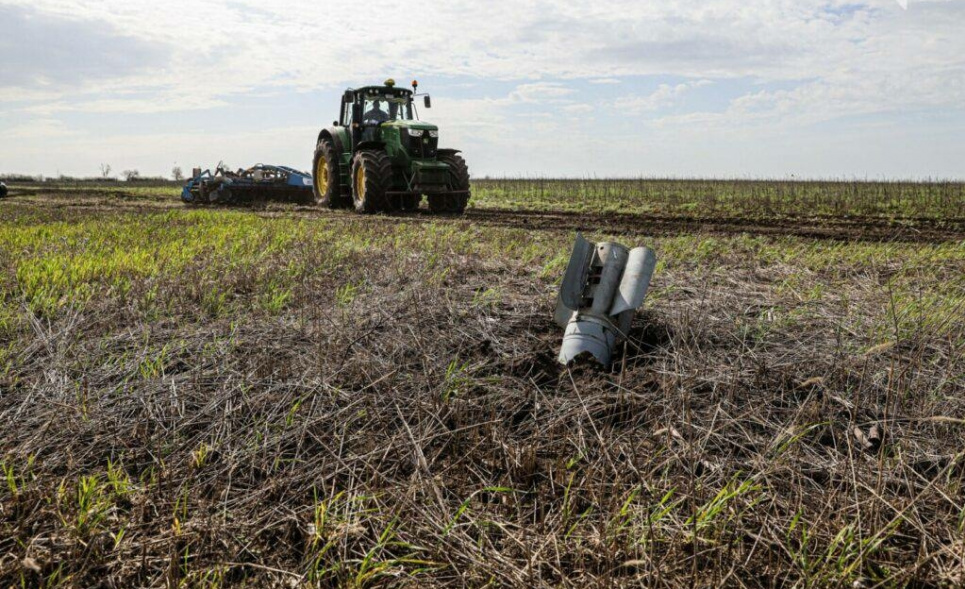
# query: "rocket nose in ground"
587,337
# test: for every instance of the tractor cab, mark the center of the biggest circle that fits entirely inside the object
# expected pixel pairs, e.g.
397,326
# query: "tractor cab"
379,105
364,110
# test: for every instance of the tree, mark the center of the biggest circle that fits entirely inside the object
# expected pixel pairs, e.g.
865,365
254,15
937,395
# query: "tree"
105,171
131,175
177,173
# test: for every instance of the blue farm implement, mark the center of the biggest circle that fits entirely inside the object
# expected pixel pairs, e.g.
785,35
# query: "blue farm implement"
258,183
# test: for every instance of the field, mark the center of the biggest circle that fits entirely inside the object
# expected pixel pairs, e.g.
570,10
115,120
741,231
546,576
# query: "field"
288,396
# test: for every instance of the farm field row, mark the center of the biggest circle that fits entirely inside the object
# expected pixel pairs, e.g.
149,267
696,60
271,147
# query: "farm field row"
754,199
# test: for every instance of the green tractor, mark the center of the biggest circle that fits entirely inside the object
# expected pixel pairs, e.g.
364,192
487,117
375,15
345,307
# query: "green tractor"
380,157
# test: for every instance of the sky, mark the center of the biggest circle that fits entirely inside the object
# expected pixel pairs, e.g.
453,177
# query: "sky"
584,88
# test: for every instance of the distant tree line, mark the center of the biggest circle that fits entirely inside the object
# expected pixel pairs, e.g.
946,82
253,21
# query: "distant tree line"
132,175
63,178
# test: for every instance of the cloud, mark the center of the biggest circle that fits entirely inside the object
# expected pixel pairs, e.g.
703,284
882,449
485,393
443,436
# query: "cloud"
578,108
130,103
243,44
539,92
776,66
41,128
664,96
41,51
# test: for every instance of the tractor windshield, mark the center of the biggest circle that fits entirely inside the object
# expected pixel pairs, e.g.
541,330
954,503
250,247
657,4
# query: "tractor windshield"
380,108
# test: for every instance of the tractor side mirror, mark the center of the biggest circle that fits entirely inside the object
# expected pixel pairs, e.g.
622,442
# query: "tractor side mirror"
349,96
427,101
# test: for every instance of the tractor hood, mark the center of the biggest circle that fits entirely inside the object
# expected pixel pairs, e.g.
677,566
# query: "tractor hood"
421,125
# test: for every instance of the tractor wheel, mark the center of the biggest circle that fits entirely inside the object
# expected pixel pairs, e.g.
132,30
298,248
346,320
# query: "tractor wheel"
326,177
458,181
371,179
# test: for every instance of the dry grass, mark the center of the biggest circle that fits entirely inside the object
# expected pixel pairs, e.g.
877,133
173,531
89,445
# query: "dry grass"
339,401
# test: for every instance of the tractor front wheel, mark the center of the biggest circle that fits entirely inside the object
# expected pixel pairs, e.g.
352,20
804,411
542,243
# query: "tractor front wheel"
371,179
326,176
454,202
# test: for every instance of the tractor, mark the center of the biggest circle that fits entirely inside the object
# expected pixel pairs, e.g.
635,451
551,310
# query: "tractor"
379,157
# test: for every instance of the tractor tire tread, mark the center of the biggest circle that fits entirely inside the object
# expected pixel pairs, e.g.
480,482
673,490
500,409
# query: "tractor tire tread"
458,181
332,198
378,180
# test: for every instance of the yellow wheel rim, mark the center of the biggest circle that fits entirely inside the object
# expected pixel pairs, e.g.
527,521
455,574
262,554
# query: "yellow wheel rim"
321,174
360,185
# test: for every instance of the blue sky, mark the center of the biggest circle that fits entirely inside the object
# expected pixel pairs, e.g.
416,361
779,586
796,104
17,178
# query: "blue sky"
713,88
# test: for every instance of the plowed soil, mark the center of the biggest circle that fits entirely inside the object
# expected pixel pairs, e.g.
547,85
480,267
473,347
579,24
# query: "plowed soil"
854,228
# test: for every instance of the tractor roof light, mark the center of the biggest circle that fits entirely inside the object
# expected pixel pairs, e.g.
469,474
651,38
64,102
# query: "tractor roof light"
390,83
415,84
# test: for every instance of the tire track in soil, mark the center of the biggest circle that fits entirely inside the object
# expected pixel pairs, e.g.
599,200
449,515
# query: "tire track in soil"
845,229
841,229
913,230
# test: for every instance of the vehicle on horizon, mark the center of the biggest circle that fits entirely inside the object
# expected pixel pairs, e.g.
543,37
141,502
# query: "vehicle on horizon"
378,156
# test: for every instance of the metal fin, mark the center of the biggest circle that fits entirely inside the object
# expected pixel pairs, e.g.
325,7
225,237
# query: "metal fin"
574,280
562,315
635,281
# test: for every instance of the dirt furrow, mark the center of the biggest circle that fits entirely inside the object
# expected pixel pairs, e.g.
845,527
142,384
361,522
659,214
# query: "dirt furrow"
875,229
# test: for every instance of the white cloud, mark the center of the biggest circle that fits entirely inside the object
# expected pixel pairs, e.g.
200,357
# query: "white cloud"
579,108
158,103
309,44
42,129
240,44
539,92
665,95
814,61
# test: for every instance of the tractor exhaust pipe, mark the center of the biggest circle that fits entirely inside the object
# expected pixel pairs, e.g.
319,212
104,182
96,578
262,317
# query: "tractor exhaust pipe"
604,285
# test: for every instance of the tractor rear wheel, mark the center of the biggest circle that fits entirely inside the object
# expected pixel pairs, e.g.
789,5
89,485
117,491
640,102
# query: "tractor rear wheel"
326,177
454,202
371,179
